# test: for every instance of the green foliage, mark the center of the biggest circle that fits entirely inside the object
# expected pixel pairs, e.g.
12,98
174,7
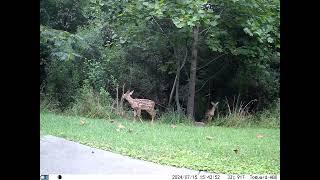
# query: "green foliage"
259,80
63,46
62,72
182,13
63,81
266,26
63,15
105,98
95,74
91,104
48,104
270,117
139,42
71,59
239,117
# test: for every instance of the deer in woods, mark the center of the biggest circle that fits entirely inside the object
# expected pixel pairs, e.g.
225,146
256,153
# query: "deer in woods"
140,104
210,112
208,115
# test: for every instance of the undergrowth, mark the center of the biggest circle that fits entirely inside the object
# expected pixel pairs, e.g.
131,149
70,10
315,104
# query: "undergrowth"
91,104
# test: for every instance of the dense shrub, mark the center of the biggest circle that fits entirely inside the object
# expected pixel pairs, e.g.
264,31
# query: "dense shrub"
48,104
240,117
92,104
270,117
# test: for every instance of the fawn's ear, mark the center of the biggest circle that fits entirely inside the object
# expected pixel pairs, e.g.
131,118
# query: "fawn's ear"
212,103
131,92
216,104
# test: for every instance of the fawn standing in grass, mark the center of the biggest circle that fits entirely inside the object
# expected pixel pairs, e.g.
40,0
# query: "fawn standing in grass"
140,104
210,113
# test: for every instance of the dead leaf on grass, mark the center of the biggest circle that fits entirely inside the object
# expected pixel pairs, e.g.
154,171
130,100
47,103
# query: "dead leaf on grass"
82,122
259,136
120,126
209,137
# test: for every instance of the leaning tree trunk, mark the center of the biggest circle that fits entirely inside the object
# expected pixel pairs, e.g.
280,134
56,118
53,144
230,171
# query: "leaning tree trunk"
193,71
175,85
177,90
172,90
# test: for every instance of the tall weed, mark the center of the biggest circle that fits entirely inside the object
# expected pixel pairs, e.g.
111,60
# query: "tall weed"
92,104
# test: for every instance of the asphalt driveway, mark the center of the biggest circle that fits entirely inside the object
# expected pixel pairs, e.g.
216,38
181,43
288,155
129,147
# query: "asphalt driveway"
60,156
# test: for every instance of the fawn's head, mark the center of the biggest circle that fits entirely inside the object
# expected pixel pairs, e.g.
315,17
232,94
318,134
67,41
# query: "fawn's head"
127,94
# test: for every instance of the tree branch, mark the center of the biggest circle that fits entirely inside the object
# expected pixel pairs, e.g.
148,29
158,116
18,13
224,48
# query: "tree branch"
184,60
172,90
161,28
177,74
211,61
210,78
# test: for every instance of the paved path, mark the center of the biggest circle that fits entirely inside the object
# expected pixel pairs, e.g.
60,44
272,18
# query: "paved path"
60,156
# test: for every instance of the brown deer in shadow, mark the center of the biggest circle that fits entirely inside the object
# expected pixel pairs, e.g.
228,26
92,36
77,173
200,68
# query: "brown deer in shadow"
210,112
208,115
140,104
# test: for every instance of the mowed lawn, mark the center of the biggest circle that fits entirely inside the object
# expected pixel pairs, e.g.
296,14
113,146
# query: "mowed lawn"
213,149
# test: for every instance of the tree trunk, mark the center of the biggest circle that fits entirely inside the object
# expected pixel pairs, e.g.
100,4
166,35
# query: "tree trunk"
193,71
177,90
121,102
117,100
172,90
176,79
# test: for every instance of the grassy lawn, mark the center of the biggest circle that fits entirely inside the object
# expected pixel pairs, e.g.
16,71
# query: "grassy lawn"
212,149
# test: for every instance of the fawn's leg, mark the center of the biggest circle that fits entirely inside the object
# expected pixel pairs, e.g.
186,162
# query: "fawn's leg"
134,115
152,114
139,114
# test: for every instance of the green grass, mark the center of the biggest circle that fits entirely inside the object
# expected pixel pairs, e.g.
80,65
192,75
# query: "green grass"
199,148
